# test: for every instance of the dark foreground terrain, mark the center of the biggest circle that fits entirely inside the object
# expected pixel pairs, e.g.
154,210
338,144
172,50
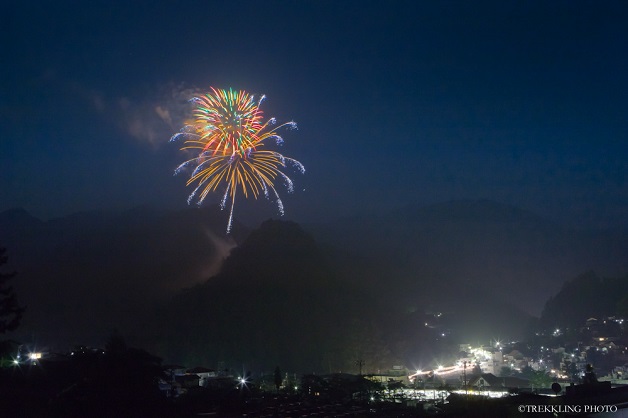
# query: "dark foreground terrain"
131,383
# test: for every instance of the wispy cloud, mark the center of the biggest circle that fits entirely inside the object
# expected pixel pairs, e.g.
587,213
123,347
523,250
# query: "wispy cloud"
152,118
155,119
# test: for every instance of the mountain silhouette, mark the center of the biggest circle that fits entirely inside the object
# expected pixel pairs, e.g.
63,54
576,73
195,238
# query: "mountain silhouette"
275,301
85,274
311,298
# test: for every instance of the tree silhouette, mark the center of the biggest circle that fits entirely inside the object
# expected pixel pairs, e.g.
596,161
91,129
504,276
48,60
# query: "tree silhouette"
506,371
278,378
10,311
622,307
542,379
115,345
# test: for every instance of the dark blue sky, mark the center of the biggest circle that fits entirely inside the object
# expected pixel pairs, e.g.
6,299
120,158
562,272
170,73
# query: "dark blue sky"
397,103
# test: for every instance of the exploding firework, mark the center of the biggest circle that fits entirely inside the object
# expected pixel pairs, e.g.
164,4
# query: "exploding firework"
226,134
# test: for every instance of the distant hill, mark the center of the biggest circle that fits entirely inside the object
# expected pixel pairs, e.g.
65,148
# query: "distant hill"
83,275
583,297
474,249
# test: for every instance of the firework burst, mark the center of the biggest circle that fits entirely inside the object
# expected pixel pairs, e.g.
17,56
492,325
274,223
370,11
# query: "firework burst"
227,134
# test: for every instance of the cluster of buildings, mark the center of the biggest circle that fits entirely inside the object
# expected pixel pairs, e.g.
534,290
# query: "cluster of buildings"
599,342
563,357
179,379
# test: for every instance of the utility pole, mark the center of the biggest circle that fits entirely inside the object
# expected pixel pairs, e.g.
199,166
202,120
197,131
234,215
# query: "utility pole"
464,373
360,363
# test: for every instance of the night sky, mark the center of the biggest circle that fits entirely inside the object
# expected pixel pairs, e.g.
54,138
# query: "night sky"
398,103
